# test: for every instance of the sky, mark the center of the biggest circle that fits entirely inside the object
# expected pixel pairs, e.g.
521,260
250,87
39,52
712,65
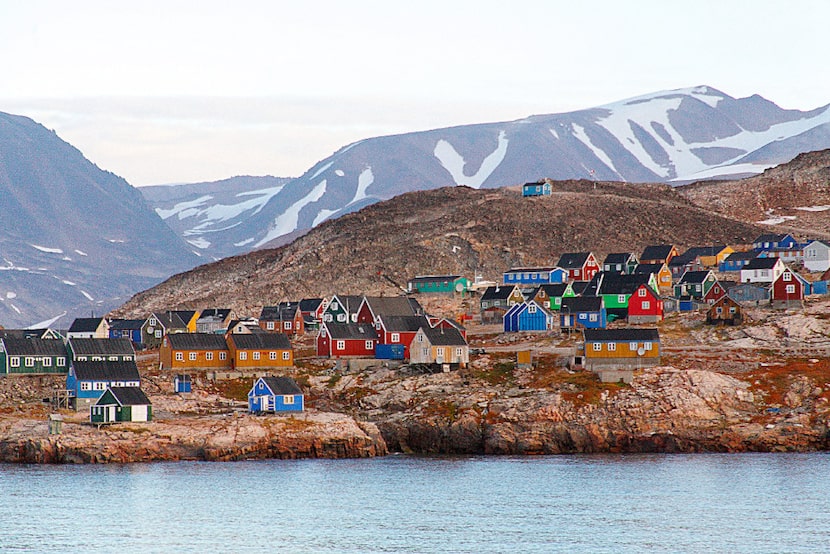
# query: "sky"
175,91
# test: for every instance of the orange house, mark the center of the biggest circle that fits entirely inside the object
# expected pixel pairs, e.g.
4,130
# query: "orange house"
194,351
260,350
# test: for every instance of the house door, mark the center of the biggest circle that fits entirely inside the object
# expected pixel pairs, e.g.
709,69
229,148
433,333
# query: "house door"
109,413
139,413
269,403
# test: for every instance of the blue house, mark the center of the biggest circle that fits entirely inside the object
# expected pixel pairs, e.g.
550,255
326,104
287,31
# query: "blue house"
275,395
771,241
541,188
736,261
87,380
528,316
534,276
583,312
182,383
126,329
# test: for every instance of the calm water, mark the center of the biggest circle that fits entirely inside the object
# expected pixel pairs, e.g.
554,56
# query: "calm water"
655,503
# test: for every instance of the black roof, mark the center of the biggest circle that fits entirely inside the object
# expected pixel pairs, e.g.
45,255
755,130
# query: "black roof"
168,320
284,311
310,304
261,341
554,289
771,237
220,314
361,331
101,347
498,292
16,346
433,278
579,287
85,325
128,396
444,336
625,334
694,276
573,260
686,257
126,324
393,305
348,302
27,333
648,268
106,371
616,283
197,341
713,250
736,256
576,304
619,258
403,323
184,315
657,252
282,385
761,263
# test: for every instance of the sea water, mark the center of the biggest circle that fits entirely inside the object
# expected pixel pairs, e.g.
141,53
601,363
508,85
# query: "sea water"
610,503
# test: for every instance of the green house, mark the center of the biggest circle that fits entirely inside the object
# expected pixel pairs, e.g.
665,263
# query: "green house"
33,356
556,293
121,404
616,289
342,309
439,284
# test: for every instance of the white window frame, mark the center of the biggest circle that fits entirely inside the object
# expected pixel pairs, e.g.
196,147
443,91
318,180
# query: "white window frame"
597,346
612,346
272,356
209,356
242,355
286,355
14,361
47,361
632,346
395,337
269,325
592,317
256,355
61,362
341,345
223,356
86,385
646,305
192,356
179,356
288,399
621,298
369,344
29,361
641,293
790,289
288,325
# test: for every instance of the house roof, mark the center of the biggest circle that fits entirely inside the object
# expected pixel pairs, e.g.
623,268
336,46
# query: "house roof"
27,333
762,263
282,385
101,347
349,303
284,311
771,237
657,252
169,320
694,277
106,370
738,256
216,314
579,287
126,324
713,250
625,334
351,331
619,258
127,396
197,341
444,336
534,269
434,278
616,283
85,325
685,258
261,341
403,323
576,304
17,346
185,315
554,289
393,305
498,292
573,260
310,304
642,269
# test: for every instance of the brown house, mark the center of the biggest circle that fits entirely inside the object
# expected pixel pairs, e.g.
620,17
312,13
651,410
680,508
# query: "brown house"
194,351
260,351
726,311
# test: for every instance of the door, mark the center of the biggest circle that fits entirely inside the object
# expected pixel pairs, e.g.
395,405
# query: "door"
139,413
109,413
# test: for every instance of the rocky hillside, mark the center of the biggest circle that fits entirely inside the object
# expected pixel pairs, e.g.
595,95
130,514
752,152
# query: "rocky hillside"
794,195
454,229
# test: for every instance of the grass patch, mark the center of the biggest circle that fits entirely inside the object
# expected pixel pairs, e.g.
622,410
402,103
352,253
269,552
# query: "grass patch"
500,373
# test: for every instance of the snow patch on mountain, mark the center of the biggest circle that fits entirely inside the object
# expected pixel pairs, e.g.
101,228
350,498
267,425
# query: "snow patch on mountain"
200,242
46,249
288,221
323,215
454,162
579,133
365,179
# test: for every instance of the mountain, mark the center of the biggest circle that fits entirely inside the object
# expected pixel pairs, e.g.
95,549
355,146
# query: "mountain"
676,136
74,239
447,230
216,217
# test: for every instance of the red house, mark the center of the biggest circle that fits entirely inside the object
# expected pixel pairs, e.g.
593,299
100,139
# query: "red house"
645,305
375,307
581,266
338,340
715,293
788,290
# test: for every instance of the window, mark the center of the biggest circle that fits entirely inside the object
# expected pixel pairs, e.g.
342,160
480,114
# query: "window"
179,356
790,289
632,346
646,305
592,317
354,318
30,362
14,361
458,352
527,276
341,345
47,362
718,310
439,352
86,385
647,346
269,326
641,293
209,356
341,318
425,352
787,276
256,355
243,355
612,346
576,273
223,356
597,346
369,344
288,399
396,337
158,333
333,306
420,338
272,355
531,309
287,324
286,355
621,298
557,301
327,317
100,386
192,356
61,362
113,358
533,276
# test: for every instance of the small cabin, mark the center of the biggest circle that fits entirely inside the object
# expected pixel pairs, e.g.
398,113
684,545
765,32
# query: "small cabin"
119,404
182,383
275,395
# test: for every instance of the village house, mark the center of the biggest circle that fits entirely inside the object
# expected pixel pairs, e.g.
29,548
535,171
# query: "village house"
87,380
342,340
616,289
96,350
659,254
556,293
645,305
725,311
275,395
312,312
762,270
441,346
188,317
285,317
541,188
750,294
260,351
579,265
528,316
788,290
119,404
695,284
160,324
439,284
620,262
32,356
817,256
214,320
688,261
495,301
247,326
534,276
661,272
583,312
717,291
736,261
773,241
395,334
194,351
126,329
628,347
710,256
342,309
89,327
372,308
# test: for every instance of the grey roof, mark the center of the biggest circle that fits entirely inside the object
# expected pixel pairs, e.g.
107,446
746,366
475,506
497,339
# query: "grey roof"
619,258
694,277
197,341
101,347
684,258
403,323
184,315
573,260
219,314
282,385
128,396
284,311
625,334
657,252
736,256
349,303
713,250
85,325
106,371
771,237
16,346
579,287
310,304
577,304
126,324
616,283
501,292
648,268
554,289
261,341
26,333
761,263
444,336
393,305
361,331
169,320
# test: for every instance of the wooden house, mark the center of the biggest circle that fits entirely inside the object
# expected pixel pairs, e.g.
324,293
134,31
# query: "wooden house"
750,294
441,346
260,351
89,327
645,305
182,383
214,320
762,270
495,301
439,284
340,340
774,241
540,188
36,333
247,326
627,347
194,351
711,256
658,254
817,256
87,380
32,356
788,290
160,324
534,276
716,292
581,266
342,309
695,284
583,312
579,287
126,329
312,312
373,308
188,317
786,255
395,334
275,395
736,261
119,404
616,289
688,261
555,294
725,311
528,316
96,350
285,317
620,262
661,272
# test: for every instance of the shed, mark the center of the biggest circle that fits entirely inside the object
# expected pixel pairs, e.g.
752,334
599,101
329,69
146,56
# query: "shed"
275,394
121,404
182,383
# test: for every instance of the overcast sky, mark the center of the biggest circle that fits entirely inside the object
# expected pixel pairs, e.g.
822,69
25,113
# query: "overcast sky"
176,91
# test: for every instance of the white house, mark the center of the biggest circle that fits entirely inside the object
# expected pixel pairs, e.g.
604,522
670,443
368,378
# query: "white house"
762,270
817,256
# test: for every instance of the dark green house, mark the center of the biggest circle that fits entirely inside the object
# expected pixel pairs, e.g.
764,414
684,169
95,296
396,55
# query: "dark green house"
33,356
446,284
121,404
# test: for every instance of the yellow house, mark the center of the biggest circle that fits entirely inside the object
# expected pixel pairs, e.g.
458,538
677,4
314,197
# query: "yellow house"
444,346
628,348
189,318
661,272
711,256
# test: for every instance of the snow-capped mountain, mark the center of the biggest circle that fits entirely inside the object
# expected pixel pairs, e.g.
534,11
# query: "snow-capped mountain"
74,239
676,136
